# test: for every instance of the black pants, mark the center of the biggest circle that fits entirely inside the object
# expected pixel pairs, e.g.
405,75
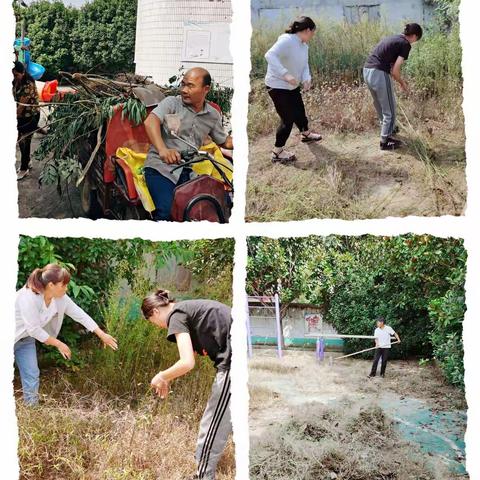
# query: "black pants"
291,110
383,354
25,127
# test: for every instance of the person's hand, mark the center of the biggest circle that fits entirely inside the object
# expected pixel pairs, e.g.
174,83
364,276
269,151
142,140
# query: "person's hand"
291,80
404,87
307,85
170,156
160,385
64,351
108,341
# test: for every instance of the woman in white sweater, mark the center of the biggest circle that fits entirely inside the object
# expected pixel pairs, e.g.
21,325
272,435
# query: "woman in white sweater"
39,311
287,70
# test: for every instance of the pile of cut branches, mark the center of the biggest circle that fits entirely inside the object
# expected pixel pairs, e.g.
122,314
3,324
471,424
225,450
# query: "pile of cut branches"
76,123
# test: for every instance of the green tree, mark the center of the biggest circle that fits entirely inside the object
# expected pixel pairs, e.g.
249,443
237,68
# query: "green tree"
49,26
103,37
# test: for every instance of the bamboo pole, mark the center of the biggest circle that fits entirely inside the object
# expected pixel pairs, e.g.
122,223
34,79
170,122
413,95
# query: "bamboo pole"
363,351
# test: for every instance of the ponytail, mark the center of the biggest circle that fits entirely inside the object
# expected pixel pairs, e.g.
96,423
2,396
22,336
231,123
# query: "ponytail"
41,277
300,24
160,298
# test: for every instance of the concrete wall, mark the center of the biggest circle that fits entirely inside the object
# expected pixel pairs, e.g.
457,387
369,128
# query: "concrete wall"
394,12
160,34
263,326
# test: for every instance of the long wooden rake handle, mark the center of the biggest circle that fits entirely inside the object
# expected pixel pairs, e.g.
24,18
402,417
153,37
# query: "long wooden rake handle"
362,351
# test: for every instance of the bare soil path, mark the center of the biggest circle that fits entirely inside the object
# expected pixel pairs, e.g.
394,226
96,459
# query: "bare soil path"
347,176
426,412
43,201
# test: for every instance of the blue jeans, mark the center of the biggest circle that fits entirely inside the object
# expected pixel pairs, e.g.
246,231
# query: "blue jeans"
25,352
161,189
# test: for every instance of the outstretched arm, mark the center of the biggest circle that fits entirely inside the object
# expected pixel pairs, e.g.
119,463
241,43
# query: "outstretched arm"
184,364
80,316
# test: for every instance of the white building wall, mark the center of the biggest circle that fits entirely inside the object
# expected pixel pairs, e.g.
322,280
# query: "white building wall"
393,12
160,31
263,323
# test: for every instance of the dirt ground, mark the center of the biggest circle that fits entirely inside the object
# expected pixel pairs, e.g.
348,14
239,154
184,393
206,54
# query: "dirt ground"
328,398
43,201
347,176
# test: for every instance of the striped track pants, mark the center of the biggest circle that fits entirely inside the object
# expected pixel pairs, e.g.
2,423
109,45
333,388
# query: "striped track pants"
380,85
215,427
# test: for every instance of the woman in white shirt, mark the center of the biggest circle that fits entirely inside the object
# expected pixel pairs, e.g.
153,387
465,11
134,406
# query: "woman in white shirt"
288,69
39,310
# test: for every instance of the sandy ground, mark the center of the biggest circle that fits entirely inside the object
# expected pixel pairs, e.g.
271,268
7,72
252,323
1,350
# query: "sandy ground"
347,176
43,201
281,388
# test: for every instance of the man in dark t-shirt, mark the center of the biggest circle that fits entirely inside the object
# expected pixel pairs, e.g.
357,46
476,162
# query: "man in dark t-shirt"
202,327
383,64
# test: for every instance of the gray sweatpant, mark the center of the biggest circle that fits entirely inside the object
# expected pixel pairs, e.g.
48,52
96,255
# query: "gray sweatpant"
215,427
380,85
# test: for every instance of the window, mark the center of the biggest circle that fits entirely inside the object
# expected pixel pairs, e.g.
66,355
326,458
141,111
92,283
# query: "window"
362,13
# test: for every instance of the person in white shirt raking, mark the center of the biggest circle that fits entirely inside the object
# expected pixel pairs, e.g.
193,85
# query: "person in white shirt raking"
39,310
383,341
287,71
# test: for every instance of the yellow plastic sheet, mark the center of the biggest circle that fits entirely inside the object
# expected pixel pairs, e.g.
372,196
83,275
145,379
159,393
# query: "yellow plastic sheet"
207,168
136,162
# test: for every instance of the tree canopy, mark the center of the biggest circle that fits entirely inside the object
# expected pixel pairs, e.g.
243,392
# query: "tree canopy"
100,35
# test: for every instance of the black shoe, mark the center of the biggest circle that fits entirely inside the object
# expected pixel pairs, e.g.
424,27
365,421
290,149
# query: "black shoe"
390,144
371,376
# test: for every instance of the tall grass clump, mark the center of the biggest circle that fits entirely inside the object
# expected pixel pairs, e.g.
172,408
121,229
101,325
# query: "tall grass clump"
435,65
337,51
143,352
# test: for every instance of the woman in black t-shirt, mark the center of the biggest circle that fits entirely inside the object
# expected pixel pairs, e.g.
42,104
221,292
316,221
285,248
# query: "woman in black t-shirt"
384,63
203,327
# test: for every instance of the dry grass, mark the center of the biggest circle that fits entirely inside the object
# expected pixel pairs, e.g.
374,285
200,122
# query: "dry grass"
344,444
327,422
346,175
274,367
93,439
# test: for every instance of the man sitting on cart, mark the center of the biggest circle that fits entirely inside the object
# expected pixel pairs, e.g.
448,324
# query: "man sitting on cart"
196,120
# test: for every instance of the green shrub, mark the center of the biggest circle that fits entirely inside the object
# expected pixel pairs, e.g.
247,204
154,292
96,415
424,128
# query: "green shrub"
447,314
436,62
